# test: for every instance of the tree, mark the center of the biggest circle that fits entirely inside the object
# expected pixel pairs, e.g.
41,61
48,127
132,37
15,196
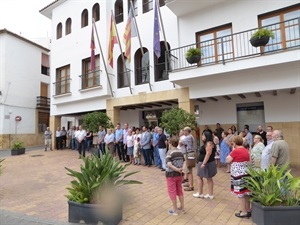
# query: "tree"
175,119
93,120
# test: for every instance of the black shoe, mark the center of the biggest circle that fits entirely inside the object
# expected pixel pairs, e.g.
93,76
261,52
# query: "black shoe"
240,215
162,170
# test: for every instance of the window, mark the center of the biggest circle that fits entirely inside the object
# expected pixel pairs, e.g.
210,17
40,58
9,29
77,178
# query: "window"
59,31
62,84
135,6
160,63
148,5
123,72
84,18
285,25
68,26
45,64
119,11
96,12
90,78
142,73
216,44
43,121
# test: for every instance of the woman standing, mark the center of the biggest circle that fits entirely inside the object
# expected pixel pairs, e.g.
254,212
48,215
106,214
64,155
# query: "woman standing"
137,147
175,161
206,168
225,150
256,152
216,142
129,144
239,158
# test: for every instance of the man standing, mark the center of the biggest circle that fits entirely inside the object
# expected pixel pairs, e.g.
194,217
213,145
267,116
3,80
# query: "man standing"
162,147
58,138
70,134
63,136
262,133
125,133
248,136
48,139
119,142
101,142
146,147
157,160
266,152
189,144
219,131
80,136
280,150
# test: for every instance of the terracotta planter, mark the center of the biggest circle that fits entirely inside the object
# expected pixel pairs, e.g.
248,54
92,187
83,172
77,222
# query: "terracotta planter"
194,59
275,215
93,213
18,151
262,41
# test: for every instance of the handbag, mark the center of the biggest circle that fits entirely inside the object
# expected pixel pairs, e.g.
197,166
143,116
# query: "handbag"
191,159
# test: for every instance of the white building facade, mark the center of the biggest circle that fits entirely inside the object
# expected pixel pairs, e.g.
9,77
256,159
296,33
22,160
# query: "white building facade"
233,84
24,90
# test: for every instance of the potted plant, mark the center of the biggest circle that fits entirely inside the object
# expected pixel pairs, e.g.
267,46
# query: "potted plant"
261,37
193,55
96,192
275,196
18,148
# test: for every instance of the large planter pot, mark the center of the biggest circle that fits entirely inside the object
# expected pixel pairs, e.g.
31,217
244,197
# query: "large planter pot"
18,151
93,213
194,59
262,41
275,215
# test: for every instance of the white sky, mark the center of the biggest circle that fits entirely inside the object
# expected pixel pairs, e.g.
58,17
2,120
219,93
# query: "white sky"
22,17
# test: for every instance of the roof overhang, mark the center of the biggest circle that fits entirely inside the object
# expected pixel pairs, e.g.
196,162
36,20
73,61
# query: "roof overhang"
47,10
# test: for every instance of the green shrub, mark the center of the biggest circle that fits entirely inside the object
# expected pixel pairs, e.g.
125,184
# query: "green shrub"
263,32
93,120
17,145
192,51
96,177
274,186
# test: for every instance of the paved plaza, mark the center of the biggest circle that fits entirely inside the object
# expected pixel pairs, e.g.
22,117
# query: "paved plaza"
33,188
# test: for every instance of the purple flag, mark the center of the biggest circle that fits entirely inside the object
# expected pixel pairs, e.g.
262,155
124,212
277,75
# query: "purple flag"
156,37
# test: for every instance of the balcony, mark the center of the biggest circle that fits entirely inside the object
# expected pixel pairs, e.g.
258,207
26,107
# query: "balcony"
90,79
42,102
236,47
62,87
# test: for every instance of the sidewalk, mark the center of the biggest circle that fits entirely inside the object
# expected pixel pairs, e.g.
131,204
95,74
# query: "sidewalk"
33,188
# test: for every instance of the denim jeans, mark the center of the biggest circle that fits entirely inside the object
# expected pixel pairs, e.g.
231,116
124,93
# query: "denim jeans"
147,156
81,148
157,160
162,155
88,144
73,144
120,151
101,148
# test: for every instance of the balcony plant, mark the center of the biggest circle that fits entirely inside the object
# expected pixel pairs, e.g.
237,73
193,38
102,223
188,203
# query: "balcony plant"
275,196
261,37
18,148
193,55
96,191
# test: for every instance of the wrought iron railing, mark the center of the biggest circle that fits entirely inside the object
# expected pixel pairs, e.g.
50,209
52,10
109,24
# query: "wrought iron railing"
62,86
42,102
124,78
142,75
237,46
90,79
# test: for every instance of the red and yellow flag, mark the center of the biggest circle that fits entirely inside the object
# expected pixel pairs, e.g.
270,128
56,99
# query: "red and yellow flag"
127,38
112,40
93,64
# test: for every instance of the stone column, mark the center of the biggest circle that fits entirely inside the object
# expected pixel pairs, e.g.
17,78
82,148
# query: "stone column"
185,102
112,112
55,121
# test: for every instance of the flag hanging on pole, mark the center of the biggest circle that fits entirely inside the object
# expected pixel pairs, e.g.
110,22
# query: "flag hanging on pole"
112,40
130,31
93,64
156,37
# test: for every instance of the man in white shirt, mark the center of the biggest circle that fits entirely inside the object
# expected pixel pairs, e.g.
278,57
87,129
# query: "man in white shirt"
80,135
266,152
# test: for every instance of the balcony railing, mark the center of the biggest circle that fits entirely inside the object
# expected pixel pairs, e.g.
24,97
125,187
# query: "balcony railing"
90,79
42,102
62,86
237,46
142,75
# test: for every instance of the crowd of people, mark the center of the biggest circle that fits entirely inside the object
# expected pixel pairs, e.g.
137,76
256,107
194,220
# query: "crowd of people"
179,154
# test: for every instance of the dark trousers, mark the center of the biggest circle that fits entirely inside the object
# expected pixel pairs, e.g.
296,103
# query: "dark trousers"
120,151
147,156
101,148
58,143
81,148
125,153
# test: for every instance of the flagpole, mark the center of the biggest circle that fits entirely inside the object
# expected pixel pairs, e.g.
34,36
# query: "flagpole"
102,56
122,55
141,46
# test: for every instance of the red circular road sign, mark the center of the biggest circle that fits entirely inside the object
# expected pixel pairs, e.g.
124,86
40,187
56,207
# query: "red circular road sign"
18,118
